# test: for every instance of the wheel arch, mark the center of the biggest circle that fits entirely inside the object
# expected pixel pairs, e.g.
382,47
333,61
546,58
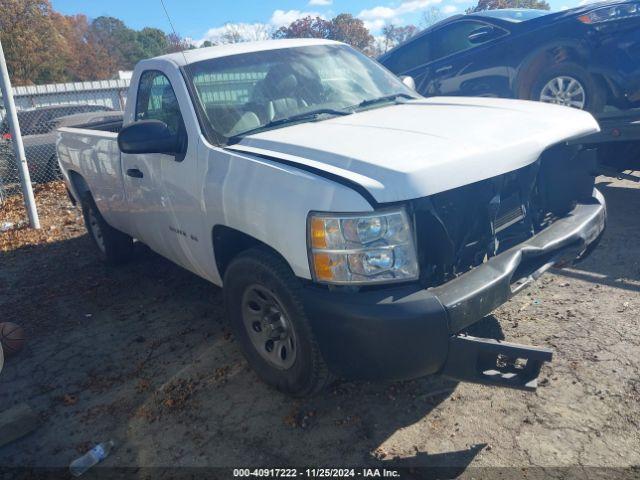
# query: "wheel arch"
550,54
229,242
78,186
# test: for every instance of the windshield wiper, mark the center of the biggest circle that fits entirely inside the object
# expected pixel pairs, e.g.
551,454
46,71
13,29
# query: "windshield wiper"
298,117
386,98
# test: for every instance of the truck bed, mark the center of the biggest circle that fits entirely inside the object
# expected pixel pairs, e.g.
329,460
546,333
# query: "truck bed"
91,151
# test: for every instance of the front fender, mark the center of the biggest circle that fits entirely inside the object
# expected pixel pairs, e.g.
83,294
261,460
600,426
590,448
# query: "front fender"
270,202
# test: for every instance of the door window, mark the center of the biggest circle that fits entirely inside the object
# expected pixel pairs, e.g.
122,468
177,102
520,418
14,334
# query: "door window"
409,56
454,38
157,101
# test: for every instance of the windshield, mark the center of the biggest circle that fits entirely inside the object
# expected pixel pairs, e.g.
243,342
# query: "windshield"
262,90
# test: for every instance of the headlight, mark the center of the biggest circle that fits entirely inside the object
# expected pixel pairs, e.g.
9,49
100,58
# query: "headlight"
362,248
609,14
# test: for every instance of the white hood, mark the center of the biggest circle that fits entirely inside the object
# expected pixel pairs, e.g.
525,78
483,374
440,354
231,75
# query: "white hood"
426,146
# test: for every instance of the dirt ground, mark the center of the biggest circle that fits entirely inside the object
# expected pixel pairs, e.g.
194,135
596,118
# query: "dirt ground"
141,354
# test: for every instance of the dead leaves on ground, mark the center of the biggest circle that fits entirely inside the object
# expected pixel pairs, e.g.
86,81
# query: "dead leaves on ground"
59,219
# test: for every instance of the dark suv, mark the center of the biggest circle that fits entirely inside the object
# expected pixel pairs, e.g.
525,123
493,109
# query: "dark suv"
585,57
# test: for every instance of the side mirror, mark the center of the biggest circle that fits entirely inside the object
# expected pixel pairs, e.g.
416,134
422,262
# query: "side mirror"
408,81
482,34
147,136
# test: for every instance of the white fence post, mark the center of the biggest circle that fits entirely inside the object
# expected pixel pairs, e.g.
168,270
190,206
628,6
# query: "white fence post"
16,139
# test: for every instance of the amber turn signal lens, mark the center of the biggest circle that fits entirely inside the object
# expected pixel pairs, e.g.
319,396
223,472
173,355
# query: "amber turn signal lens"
322,264
318,233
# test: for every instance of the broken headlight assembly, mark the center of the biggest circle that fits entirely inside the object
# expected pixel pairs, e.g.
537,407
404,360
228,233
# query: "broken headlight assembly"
357,249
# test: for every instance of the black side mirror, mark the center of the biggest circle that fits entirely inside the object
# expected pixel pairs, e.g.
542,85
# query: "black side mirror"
482,34
147,136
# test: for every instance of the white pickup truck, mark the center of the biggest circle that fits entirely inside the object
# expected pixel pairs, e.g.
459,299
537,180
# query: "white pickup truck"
358,229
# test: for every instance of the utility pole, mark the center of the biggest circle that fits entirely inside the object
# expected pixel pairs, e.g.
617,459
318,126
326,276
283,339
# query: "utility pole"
16,140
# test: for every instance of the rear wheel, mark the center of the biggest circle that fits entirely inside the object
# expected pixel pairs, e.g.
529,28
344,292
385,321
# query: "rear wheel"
114,247
262,301
570,85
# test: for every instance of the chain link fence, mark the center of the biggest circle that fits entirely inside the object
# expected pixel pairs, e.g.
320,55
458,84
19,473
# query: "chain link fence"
42,109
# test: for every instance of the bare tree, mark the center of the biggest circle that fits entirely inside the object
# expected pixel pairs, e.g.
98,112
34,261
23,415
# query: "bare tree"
395,35
243,32
431,16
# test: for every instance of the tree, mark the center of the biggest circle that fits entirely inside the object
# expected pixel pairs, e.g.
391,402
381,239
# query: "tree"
207,43
496,4
84,59
112,34
30,41
431,16
175,43
348,29
307,27
395,35
343,28
43,46
153,42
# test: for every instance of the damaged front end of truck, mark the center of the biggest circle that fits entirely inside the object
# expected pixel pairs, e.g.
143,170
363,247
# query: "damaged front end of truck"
478,245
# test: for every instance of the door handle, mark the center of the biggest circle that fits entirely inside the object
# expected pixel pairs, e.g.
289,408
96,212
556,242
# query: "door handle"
444,69
135,173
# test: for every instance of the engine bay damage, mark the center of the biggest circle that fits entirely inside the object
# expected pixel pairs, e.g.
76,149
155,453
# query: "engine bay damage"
462,228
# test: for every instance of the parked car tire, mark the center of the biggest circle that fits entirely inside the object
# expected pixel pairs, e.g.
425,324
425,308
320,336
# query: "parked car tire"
571,85
53,169
114,247
262,302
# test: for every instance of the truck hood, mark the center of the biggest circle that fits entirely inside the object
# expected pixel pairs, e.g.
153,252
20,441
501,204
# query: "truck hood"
425,146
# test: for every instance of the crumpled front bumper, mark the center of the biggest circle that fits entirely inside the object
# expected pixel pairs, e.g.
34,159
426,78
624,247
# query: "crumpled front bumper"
405,331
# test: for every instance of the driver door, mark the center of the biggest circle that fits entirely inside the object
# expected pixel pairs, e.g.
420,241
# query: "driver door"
147,196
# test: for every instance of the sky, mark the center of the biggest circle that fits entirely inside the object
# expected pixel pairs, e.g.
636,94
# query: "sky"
202,19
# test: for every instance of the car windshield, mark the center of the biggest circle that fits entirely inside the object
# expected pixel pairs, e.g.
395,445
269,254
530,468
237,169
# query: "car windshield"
250,92
515,15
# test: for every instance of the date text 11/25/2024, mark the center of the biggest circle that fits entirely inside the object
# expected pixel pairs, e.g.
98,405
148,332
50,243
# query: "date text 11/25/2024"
316,473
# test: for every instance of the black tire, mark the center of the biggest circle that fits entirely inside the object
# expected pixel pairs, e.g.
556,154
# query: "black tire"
595,95
53,169
260,268
114,247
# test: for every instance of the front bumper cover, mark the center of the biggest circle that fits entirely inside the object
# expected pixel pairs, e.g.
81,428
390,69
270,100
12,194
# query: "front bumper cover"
406,332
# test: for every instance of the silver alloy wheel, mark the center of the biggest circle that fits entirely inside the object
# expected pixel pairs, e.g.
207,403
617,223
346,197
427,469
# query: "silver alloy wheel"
565,91
268,327
96,231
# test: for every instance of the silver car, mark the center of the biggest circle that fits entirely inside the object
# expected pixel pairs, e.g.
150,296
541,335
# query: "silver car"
38,127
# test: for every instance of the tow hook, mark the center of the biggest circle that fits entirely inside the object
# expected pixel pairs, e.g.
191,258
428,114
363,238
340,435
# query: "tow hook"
493,362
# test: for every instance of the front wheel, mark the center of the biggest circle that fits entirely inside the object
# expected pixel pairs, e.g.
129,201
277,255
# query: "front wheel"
262,301
570,85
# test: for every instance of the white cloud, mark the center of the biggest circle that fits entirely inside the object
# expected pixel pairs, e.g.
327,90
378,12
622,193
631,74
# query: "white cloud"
448,9
378,13
376,17
280,18
255,31
246,31
321,3
374,25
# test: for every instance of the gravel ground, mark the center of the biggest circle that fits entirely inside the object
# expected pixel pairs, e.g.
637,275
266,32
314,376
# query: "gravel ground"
141,354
